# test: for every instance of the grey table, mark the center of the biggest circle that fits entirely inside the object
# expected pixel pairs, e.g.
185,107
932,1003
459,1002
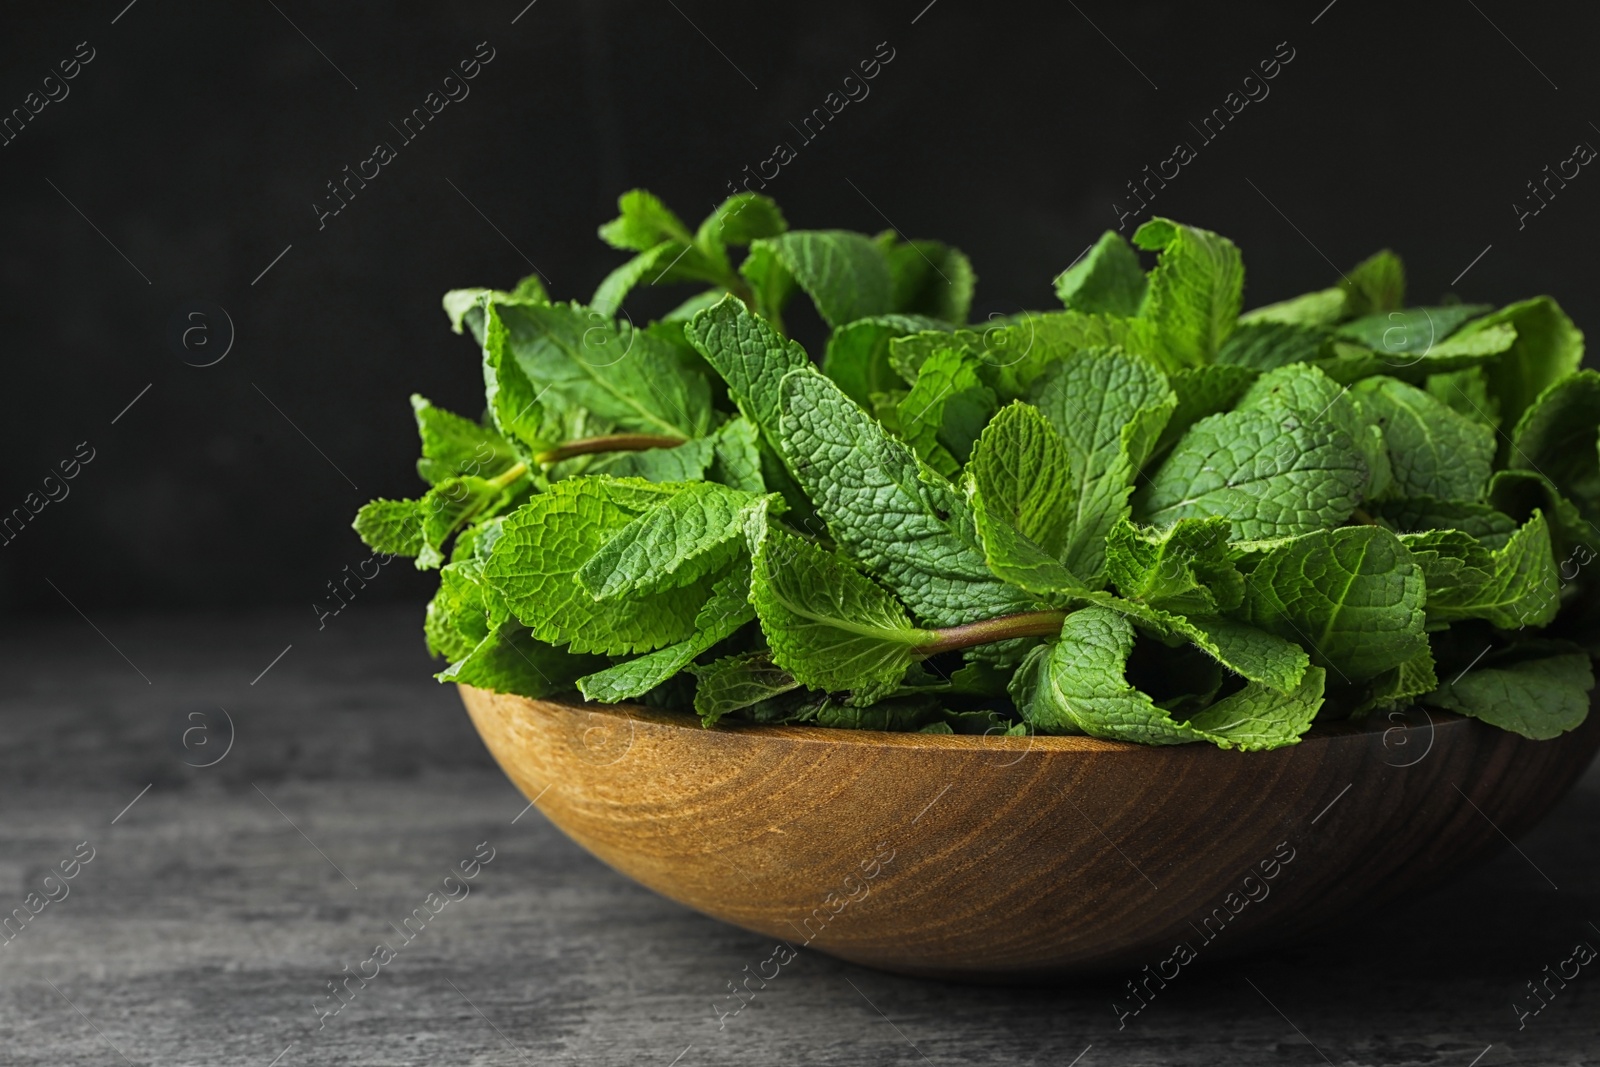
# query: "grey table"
222,900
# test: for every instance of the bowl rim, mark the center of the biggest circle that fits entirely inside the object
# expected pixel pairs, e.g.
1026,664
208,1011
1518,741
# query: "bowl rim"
1375,724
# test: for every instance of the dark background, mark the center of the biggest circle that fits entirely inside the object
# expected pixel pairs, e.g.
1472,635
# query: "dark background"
199,136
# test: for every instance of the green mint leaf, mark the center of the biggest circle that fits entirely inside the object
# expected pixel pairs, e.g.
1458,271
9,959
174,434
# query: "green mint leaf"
644,222
728,609
897,517
1201,391
453,445
1548,347
1251,653
666,262
514,401
928,278
634,378
1434,451
1466,391
845,274
1022,351
1559,436
858,353
1399,687
1510,587
1109,408
1183,569
1410,330
1107,280
459,616
1352,596
733,683
512,660
1376,284
1078,684
1539,689
450,506
1324,307
751,356
1195,290
739,220
465,306
690,534
945,410
542,545
391,526
1014,557
1521,493
1489,526
1271,476
1267,345
1021,467
830,626
902,715
1301,393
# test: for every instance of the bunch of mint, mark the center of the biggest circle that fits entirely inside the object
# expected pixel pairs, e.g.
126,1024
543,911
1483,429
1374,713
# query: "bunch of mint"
1144,517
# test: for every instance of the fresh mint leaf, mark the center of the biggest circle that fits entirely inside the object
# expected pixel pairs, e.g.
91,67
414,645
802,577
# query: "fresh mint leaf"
644,222
945,410
845,274
452,445
1324,307
1109,408
1017,559
1434,450
543,545
1520,493
858,353
739,220
751,356
1183,569
1376,284
1489,526
1246,650
1021,467
890,512
1409,330
1353,597
929,278
465,306
512,660
1195,291
393,527
1271,477
1106,280
1559,436
1078,684
1539,689
1268,345
634,378
830,626
728,609
458,618
1201,391
693,532
1548,347
734,683
1511,587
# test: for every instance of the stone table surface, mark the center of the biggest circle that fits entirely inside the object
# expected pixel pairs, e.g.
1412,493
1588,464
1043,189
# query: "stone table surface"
220,901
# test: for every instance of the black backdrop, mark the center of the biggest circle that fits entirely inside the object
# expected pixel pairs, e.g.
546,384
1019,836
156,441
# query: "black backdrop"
185,156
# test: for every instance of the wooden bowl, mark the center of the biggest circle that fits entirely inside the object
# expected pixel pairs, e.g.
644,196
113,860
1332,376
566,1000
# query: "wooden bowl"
1020,859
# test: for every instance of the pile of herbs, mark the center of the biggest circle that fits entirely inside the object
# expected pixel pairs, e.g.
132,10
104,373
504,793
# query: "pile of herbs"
1144,517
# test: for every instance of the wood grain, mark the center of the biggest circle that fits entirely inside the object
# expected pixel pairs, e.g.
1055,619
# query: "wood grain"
1021,859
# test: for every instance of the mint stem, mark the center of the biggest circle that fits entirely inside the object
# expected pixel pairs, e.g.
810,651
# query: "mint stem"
987,631
618,442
